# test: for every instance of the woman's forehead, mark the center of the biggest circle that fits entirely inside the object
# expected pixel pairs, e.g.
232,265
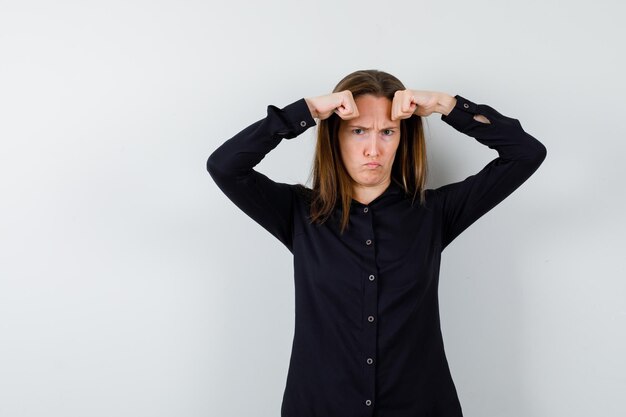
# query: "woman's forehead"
373,110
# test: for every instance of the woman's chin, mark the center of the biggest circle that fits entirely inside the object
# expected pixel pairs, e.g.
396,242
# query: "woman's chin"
371,181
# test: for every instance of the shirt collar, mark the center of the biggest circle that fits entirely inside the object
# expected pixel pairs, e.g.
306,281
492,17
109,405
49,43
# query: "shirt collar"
393,189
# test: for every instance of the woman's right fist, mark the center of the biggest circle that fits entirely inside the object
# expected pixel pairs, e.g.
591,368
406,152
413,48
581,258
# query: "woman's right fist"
341,103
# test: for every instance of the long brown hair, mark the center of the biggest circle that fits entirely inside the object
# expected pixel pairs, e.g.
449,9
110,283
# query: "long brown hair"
331,181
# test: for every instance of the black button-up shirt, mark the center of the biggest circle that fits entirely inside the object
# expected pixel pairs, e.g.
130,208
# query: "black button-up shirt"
367,338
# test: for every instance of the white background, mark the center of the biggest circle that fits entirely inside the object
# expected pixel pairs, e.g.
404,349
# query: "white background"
131,286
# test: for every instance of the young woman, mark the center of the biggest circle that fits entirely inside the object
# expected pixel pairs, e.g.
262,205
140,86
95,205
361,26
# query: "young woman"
367,238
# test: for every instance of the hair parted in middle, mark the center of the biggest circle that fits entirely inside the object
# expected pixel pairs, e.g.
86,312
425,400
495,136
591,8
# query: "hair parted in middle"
332,185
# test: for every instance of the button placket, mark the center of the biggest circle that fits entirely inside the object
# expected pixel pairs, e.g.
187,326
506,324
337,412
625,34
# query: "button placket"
370,303
368,242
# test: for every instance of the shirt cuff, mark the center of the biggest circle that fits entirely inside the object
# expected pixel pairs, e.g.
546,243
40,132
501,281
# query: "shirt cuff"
462,114
297,118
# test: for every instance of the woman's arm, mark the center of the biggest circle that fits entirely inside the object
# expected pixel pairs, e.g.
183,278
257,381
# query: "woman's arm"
519,155
267,202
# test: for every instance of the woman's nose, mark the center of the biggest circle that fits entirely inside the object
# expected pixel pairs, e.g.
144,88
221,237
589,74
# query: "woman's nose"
372,147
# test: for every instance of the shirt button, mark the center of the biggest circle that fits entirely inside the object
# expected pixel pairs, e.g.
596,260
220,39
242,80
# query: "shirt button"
372,277
370,319
303,123
368,402
368,242
365,210
370,361
466,105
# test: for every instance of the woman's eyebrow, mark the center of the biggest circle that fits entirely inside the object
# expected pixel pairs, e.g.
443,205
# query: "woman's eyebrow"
367,128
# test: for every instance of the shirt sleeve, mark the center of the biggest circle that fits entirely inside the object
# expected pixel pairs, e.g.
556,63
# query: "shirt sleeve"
519,156
267,202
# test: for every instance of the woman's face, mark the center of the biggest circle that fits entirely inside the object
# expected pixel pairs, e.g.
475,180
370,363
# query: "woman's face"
369,142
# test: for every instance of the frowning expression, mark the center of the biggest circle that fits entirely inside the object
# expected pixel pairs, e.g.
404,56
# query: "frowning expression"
369,142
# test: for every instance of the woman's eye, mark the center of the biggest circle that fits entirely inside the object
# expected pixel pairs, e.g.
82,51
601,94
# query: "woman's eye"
388,132
357,131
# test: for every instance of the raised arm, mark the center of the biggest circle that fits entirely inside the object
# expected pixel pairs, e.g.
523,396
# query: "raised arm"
267,202
519,156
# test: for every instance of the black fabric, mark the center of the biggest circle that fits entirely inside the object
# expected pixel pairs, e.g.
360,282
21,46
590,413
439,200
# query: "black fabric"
367,338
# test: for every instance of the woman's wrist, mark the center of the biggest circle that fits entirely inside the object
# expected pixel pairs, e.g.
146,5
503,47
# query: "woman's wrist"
445,103
311,107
